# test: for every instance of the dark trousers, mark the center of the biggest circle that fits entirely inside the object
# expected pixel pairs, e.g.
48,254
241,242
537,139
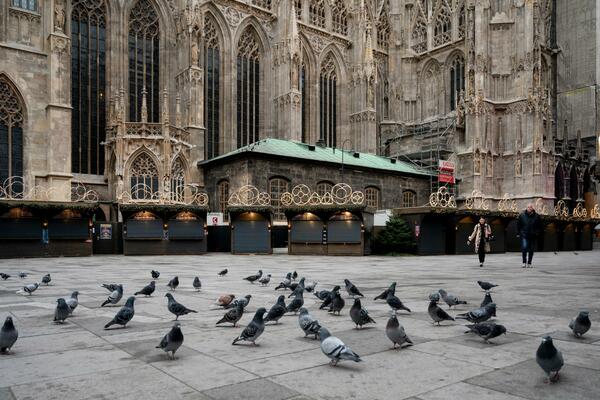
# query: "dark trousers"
481,252
527,248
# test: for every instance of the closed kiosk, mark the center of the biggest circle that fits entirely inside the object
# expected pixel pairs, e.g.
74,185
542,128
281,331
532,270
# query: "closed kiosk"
251,232
345,234
307,235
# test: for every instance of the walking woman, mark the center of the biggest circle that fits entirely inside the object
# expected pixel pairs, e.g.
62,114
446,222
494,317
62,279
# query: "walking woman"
481,234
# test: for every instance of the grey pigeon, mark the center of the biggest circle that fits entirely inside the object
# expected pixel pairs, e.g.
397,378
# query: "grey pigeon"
62,311
73,301
310,287
581,324
352,289
285,283
395,332
335,349
173,283
111,287
486,300
172,341
22,274
223,272
147,290
264,281
394,302
487,286
254,329
384,294
4,276
450,299
308,324
359,315
46,279
30,288
297,302
437,314
337,303
294,275
233,315
155,274
435,296
549,358
8,335
295,285
244,301
277,311
124,315
487,330
176,308
480,314
327,300
197,284
114,297
322,294
255,277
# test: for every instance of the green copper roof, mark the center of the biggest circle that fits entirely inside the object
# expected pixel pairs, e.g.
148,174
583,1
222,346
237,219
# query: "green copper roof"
287,148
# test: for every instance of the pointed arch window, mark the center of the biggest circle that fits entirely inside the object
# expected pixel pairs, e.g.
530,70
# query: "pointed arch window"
88,86
212,97
339,16
266,4
11,136
373,197
143,178
304,89
324,187
462,22
328,102
383,30
419,34
223,197
277,187
442,31
248,88
144,44
457,80
178,180
316,12
409,198
298,5
30,5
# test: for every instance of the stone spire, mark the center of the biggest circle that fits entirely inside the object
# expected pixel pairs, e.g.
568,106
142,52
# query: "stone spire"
178,112
369,58
293,38
165,108
144,110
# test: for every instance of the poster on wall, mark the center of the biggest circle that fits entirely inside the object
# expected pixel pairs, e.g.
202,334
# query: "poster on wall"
105,231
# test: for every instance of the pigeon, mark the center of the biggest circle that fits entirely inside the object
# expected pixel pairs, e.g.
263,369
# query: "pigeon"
254,329
111,287
4,276
223,272
114,297
395,332
173,283
197,284
225,299
176,308
277,311
155,274
487,286
435,296
8,335
294,285
244,301
255,277
30,288
384,294
62,311
337,303
233,315
22,275
487,330
147,290
46,279
486,300
395,303
450,299
297,302
437,314
335,349
172,341
308,324
294,275
310,287
359,315
124,315
549,358
581,324
327,300
322,295
285,283
480,314
264,281
73,301
351,289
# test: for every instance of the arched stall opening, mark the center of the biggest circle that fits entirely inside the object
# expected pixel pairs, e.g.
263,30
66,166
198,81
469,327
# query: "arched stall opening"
345,234
306,234
250,232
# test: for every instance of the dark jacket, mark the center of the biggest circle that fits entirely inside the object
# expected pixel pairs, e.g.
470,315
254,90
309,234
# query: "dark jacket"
529,225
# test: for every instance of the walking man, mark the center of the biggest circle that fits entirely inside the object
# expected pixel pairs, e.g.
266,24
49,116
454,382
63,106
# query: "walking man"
529,225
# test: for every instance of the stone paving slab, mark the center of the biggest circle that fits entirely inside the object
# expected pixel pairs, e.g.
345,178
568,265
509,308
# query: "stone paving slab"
257,389
465,391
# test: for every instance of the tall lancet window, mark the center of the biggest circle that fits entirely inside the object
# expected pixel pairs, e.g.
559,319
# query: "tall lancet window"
328,102
11,137
339,17
88,86
304,85
248,88
212,104
457,80
143,45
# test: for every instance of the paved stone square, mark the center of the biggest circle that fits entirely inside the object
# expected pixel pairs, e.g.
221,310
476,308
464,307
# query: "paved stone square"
81,360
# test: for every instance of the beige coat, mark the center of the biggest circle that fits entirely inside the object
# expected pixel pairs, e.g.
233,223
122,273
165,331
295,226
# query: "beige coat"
477,236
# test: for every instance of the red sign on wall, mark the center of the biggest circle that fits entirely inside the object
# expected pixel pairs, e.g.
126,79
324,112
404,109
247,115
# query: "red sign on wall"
446,172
